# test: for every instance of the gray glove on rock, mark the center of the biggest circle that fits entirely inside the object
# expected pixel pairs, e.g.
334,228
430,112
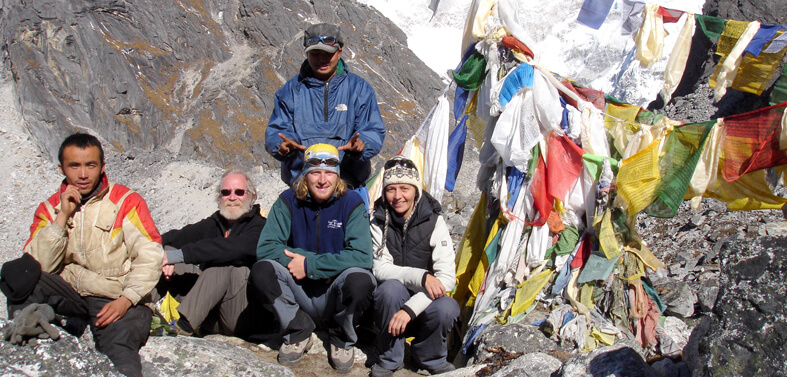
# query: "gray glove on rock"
30,324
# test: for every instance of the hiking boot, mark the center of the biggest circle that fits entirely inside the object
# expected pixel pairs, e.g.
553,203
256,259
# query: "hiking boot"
182,327
342,359
291,354
447,367
380,371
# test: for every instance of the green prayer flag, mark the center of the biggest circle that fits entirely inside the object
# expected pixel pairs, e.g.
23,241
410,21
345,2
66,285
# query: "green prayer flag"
711,26
779,93
472,73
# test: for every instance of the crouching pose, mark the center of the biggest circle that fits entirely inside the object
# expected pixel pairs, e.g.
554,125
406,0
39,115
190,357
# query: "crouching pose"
207,263
314,259
414,264
93,254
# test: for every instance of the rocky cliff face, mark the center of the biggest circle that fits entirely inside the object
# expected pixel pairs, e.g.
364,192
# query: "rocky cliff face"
192,78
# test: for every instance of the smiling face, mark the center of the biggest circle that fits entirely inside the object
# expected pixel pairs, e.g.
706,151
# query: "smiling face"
401,198
323,63
82,168
321,184
232,206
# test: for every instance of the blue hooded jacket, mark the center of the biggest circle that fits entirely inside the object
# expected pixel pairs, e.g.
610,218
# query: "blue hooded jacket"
311,111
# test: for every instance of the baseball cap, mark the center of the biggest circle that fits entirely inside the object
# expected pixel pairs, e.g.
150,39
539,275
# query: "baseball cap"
323,36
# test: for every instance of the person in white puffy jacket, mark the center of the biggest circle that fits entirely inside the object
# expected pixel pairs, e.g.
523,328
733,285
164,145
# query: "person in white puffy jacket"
414,265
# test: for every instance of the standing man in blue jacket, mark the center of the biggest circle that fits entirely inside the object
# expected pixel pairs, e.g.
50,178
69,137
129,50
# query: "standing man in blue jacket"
325,103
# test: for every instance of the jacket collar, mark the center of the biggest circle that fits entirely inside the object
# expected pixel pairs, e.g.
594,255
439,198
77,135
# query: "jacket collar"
99,191
307,76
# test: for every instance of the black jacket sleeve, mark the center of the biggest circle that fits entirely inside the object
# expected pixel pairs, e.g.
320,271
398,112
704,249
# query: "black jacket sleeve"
204,242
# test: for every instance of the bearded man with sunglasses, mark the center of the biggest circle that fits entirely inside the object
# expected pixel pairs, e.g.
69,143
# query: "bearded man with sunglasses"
315,257
325,103
207,263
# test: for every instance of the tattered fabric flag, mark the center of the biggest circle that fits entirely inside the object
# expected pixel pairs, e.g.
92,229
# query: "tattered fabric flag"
755,72
527,291
598,267
436,149
583,253
522,76
456,153
565,244
593,164
470,255
752,142
711,26
630,11
650,39
472,73
779,93
670,16
515,179
682,151
763,36
639,178
460,96
594,12
778,43
648,286
517,47
734,39
564,162
750,192
676,64
538,189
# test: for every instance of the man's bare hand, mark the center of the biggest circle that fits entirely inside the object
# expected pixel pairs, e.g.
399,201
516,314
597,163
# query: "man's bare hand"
434,287
70,199
112,311
354,145
398,323
288,145
296,265
167,269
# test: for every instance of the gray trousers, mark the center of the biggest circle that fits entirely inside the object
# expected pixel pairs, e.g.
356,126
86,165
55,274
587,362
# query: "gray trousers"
301,306
220,288
428,349
214,300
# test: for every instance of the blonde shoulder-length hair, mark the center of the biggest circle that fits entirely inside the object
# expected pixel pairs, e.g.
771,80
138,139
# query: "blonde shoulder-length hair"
302,188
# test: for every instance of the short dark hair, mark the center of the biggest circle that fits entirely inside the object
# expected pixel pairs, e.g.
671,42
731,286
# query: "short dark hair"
81,141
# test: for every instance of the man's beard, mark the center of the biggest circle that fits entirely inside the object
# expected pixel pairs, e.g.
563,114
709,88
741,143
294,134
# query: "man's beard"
233,210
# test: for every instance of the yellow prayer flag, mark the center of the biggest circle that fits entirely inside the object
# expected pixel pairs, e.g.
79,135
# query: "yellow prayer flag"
527,291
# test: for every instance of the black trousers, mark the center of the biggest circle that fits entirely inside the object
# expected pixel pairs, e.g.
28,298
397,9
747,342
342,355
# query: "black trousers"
120,340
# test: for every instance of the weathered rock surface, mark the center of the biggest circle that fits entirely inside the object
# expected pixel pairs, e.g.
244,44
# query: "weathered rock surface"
531,365
516,338
194,78
746,333
68,356
616,360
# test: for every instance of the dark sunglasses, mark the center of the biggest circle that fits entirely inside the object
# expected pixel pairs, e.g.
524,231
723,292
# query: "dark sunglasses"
399,162
323,161
328,40
227,192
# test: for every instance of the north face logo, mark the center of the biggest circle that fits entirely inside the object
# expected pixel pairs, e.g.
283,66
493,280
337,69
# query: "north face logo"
334,224
341,107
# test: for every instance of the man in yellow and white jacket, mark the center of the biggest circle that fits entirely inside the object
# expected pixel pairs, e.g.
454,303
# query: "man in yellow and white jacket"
99,252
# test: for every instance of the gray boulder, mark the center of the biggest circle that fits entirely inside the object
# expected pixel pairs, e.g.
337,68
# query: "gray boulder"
68,356
531,365
516,338
746,333
618,360
174,356
678,297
